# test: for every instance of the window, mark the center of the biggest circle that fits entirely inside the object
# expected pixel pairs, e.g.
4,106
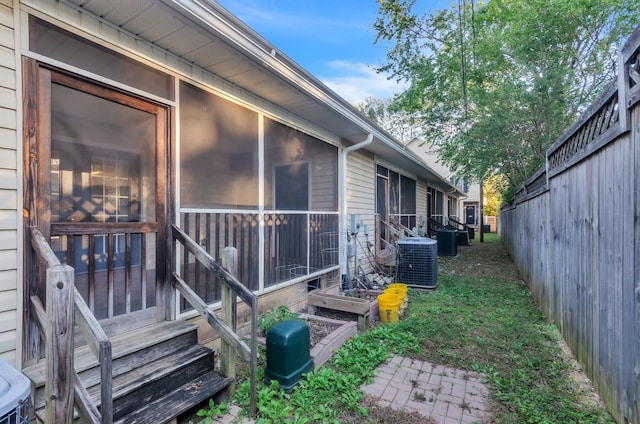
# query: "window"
291,187
109,182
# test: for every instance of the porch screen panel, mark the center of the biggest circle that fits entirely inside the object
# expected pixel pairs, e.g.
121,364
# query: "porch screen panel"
323,241
111,270
301,191
452,207
408,201
218,152
286,238
103,165
439,209
382,196
288,154
51,41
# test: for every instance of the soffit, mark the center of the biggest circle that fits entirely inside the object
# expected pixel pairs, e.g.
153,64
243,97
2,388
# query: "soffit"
205,34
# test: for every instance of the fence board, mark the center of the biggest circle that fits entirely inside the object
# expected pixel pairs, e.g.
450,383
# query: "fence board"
635,131
576,246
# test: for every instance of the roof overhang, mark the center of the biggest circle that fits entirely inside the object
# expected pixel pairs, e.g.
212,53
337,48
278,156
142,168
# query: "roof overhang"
204,33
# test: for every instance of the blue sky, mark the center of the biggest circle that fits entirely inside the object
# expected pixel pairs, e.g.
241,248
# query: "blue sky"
333,39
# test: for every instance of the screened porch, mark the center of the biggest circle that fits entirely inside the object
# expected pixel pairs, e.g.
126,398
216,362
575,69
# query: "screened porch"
250,182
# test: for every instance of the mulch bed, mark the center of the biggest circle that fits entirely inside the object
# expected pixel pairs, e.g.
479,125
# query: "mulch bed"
318,330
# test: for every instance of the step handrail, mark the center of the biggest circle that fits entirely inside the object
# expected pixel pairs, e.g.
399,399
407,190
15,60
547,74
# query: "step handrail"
459,224
65,306
397,228
407,230
433,226
227,333
393,229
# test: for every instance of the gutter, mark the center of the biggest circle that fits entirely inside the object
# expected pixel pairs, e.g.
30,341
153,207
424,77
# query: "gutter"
343,206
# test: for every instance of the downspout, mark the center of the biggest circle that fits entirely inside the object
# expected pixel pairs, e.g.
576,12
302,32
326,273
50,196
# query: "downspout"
343,206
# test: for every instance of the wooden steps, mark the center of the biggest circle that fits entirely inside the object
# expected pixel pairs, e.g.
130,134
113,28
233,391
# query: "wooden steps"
159,371
181,399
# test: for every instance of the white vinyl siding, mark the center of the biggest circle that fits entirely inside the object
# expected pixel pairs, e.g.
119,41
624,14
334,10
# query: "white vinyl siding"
421,200
9,189
361,194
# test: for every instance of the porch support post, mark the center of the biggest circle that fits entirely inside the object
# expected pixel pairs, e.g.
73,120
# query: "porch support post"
377,235
59,345
228,299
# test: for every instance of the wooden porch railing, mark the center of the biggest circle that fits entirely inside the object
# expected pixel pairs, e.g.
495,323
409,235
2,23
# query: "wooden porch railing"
394,234
408,231
64,306
433,226
230,289
457,224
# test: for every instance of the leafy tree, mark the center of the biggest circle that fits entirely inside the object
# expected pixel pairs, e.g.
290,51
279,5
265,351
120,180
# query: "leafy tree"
492,189
493,85
401,125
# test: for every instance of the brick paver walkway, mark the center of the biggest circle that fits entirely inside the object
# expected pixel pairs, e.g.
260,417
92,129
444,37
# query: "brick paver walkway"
447,395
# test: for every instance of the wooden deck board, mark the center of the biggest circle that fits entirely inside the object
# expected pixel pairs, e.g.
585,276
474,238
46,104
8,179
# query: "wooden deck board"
173,404
122,345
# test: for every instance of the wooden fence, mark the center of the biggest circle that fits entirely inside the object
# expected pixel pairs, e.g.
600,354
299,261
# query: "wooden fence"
573,231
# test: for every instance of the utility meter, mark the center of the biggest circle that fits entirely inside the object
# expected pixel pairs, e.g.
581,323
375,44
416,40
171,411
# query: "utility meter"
356,223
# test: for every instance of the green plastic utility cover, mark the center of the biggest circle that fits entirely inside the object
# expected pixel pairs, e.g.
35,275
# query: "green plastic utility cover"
288,355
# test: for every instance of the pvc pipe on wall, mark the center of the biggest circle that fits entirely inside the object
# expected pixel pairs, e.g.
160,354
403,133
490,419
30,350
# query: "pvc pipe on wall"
343,185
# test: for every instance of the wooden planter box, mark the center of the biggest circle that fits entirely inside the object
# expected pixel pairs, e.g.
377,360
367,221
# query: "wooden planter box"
323,350
366,309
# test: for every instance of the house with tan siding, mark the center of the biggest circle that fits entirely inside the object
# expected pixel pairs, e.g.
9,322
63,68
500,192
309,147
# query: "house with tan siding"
464,209
125,123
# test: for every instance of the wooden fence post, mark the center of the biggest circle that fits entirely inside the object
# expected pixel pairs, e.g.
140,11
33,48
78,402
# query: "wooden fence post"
228,300
59,345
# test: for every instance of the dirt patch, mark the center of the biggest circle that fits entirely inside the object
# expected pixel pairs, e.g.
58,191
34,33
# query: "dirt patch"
363,294
318,330
583,387
384,415
333,314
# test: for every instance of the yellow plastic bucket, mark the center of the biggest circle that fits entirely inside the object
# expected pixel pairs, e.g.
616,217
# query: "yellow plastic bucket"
388,305
401,290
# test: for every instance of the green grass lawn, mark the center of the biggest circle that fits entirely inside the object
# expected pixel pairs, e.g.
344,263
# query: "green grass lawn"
480,318
486,321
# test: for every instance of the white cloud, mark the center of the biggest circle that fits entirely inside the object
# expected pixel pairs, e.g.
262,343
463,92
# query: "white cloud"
357,81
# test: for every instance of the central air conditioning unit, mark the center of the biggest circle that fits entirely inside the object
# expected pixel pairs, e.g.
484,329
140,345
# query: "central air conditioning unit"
418,262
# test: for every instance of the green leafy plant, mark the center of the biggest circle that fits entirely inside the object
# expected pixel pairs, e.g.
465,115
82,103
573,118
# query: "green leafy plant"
214,411
274,316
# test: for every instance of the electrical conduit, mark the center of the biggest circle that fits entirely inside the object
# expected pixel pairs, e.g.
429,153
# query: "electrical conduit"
343,207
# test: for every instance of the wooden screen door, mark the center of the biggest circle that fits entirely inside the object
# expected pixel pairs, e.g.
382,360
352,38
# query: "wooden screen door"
101,193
